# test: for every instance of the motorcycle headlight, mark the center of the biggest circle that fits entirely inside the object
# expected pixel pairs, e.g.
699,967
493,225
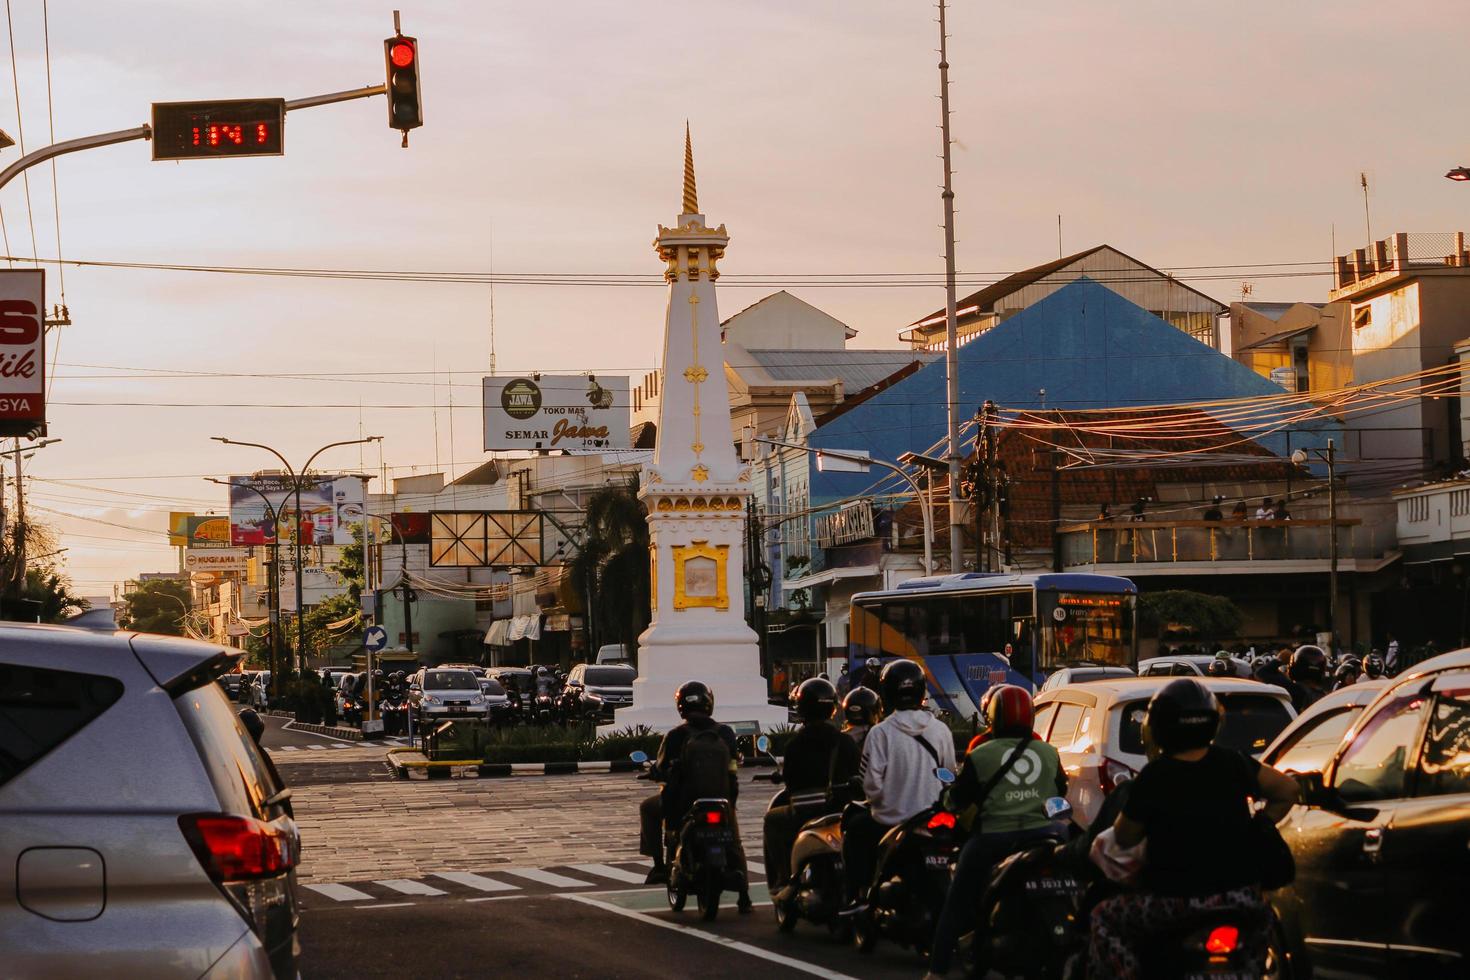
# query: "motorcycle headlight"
430,699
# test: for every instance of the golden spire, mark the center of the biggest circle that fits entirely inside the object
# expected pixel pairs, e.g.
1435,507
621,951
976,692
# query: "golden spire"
691,196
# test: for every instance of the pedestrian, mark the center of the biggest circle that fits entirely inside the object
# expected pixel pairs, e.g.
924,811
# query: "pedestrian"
1137,510
844,681
1280,513
1391,657
1103,514
1212,513
1239,512
1263,512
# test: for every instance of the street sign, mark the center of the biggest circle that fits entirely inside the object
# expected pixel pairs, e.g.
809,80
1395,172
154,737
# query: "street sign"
22,352
374,638
223,128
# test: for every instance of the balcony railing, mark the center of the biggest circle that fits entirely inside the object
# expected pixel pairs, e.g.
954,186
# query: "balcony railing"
1125,543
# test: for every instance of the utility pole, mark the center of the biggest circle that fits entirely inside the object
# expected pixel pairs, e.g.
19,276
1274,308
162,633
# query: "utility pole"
951,330
18,570
1332,539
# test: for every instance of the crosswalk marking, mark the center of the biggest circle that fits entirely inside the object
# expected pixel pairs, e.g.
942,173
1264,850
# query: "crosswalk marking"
409,887
341,893
478,882
286,748
607,871
319,748
545,877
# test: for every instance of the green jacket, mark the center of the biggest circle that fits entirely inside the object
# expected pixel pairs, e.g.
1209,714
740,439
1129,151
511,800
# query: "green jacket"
1018,801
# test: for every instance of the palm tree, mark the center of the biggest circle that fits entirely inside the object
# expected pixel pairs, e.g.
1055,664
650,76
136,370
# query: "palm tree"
611,569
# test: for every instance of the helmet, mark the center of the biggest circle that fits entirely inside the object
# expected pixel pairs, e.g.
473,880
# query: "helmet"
1308,663
694,698
1220,667
252,723
872,662
377,673
816,699
1182,715
985,701
1009,711
903,685
1373,666
862,706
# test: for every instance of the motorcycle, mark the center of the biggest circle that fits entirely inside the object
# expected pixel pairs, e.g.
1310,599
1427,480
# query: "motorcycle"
705,854
394,711
1209,944
915,866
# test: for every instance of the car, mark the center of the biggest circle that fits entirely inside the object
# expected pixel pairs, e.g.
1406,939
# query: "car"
1097,728
613,653
440,693
475,669
145,834
247,681
1188,665
495,697
1305,744
232,682
1082,675
259,695
1380,838
597,690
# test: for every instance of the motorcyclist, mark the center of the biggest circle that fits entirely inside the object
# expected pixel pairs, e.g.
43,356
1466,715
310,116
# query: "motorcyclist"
1220,667
1005,803
1272,671
1373,668
819,759
861,709
1306,676
1190,791
684,781
869,674
1347,673
984,736
900,757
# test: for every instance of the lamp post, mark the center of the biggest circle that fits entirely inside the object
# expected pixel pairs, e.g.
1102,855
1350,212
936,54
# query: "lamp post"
925,504
297,481
273,577
1330,458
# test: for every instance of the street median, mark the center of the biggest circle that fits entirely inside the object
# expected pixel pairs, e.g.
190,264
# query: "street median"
413,764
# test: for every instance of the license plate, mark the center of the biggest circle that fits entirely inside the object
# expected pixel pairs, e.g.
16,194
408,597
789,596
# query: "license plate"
458,711
937,861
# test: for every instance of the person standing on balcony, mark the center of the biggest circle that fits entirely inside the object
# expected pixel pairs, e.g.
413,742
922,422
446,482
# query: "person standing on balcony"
1239,512
1263,512
1213,512
1281,513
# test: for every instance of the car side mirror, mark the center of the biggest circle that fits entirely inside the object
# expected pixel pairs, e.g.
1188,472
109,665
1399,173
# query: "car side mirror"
1315,791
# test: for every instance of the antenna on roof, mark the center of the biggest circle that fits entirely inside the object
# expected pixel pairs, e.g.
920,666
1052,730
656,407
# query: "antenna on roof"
1245,290
1060,253
1367,218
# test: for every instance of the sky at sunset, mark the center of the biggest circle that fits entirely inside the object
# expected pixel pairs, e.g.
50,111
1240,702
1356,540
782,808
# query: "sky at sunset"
1185,134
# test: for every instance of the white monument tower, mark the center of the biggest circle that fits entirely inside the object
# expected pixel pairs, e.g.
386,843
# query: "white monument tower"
695,491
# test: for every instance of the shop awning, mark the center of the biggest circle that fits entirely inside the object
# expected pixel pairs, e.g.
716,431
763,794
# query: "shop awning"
829,575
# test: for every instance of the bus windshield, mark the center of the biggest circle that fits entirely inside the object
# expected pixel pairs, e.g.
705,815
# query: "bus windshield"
1085,627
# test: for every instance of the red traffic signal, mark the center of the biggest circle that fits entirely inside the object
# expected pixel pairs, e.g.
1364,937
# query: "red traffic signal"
405,106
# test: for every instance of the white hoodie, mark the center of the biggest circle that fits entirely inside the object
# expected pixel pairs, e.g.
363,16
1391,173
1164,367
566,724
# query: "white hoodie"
898,774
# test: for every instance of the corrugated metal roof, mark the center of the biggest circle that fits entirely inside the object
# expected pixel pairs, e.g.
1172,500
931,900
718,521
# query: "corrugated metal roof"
857,369
1275,311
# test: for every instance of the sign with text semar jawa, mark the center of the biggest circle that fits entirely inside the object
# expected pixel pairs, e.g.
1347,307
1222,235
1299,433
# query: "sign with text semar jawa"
22,352
578,413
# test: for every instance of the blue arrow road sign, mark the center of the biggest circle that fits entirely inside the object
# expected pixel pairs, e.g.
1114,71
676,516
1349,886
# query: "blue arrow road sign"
375,638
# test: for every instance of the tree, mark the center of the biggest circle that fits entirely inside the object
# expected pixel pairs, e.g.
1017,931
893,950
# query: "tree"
156,606
611,570
320,636
1207,617
44,592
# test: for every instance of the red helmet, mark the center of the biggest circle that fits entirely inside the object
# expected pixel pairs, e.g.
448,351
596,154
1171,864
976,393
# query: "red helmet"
1009,712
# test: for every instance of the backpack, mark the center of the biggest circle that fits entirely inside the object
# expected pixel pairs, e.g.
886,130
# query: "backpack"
704,766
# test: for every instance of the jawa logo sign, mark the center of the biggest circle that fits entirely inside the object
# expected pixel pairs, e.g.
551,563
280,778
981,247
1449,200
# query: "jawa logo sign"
22,351
575,413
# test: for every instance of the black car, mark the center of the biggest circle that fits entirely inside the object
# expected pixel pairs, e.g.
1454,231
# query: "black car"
597,690
1382,841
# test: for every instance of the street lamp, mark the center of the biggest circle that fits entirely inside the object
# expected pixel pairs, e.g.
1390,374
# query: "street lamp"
296,484
926,506
1459,173
1330,458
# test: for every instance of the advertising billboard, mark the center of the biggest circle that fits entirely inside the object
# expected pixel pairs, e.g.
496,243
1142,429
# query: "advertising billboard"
579,413
178,528
216,560
330,505
489,538
208,531
22,352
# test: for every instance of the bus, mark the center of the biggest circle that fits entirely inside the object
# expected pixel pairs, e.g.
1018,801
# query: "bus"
959,627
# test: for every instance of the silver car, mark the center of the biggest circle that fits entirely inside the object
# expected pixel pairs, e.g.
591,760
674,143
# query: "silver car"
144,833
445,693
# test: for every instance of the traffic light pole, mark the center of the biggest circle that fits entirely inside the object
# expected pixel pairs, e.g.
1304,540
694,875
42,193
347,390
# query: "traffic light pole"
146,132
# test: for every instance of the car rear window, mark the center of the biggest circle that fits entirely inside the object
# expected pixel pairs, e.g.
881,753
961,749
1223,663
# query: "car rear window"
450,680
236,769
41,708
489,685
1252,721
610,676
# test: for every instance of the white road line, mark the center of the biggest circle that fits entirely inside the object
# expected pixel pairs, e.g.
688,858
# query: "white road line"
711,937
387,905
478,882
754,865
494,898
287,748
317,748
606,871
545,877
409,887
340,893
342,745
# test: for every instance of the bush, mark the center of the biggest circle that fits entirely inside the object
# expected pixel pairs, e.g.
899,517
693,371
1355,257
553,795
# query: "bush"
577,744
623,743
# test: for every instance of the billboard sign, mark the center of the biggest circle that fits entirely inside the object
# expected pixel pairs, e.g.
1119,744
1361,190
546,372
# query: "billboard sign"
208,531
579,413
410,528
22,352
178,528
329,507
477,539
216,560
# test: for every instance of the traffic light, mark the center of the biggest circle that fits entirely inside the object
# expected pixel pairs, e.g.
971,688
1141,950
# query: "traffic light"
405,107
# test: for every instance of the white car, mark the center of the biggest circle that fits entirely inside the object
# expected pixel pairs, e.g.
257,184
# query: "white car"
1097,728
260,690
1188,665
441,693
1084,675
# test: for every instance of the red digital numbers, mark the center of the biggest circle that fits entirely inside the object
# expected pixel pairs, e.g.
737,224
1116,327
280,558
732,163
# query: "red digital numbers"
216,134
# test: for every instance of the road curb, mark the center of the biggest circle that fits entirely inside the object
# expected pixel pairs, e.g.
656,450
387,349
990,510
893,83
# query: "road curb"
345,734
468,769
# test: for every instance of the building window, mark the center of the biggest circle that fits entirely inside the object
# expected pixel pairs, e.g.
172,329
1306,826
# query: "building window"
1416,509
1362,317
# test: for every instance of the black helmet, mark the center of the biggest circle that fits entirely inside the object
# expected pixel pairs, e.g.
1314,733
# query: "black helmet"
1348,667
862,706
252,723
1182,715
1373,666
1220,667
1308,663
816,699
903,685
694,698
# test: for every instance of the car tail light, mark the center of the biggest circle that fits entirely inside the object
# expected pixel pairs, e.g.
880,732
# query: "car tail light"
714,817
1222,940
943,819
1114,774
238,848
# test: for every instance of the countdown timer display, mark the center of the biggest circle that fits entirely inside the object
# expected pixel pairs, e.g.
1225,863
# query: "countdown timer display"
230,128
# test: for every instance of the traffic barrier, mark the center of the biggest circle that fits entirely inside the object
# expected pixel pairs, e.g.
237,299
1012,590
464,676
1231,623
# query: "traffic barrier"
420,768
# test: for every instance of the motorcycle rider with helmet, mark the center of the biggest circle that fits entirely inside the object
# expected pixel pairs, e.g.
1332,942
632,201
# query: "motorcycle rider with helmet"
900,757
1306,676
685,779
868,675
1373,668
1219,667
1190,791
819,759
1347,673
861,710
1003,801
